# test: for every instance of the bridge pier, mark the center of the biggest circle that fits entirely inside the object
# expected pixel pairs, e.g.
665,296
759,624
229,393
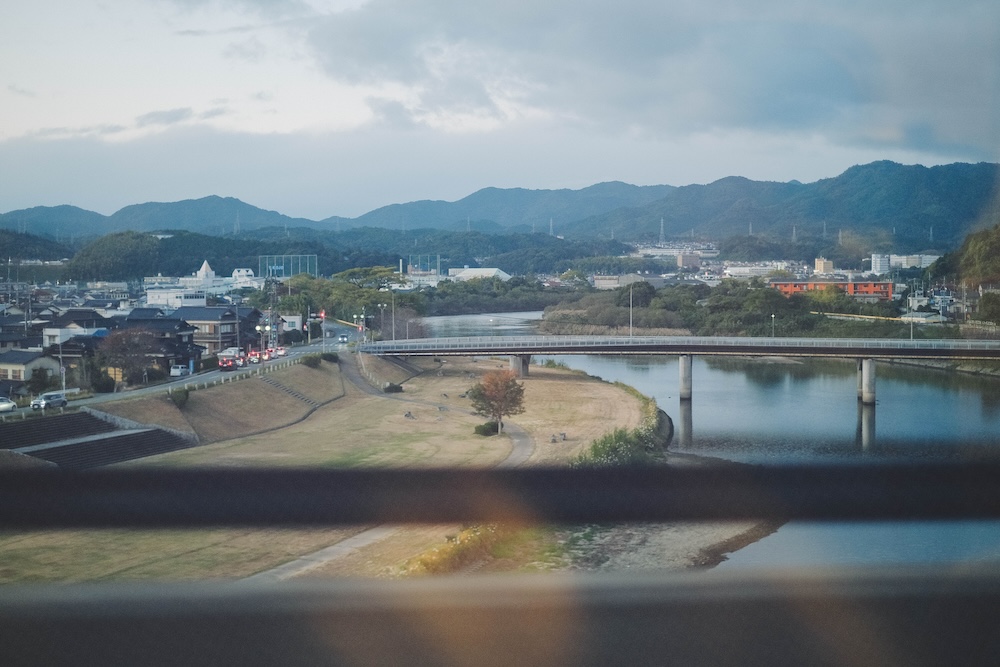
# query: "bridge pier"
684,367
519,363
866,381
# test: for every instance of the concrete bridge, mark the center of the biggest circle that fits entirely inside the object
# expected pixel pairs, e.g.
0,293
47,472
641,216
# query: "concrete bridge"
865,350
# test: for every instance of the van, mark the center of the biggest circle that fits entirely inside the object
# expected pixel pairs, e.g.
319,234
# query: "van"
179,371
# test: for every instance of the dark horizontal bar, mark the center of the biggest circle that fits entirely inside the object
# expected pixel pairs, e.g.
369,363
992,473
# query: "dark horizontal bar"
258,497
895,616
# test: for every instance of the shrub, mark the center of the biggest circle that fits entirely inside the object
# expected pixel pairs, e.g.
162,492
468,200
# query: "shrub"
330,356
155,374
103,384
391,388
489,428
180,397
312,360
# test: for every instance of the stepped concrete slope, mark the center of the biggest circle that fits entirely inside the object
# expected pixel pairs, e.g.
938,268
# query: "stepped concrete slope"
79,440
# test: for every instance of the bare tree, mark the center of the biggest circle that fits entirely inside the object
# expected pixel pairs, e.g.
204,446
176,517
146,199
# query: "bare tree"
129,350
498,394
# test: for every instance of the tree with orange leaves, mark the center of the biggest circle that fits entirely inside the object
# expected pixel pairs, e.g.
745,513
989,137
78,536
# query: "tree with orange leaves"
497,395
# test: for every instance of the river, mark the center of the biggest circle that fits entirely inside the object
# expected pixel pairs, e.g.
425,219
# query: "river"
789,411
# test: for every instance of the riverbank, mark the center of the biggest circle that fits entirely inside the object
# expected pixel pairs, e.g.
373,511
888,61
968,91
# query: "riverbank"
359,426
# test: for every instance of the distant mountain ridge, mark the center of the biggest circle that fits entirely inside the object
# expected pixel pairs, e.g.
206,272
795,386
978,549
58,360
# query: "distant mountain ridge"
911,207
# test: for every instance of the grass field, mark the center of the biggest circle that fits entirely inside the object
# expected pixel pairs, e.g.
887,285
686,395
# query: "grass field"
253,423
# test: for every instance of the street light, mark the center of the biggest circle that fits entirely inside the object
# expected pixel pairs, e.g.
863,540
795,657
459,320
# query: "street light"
381,325
772,325
630,309
262,333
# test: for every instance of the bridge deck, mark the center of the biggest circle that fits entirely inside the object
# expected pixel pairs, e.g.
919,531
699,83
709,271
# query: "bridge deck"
870,348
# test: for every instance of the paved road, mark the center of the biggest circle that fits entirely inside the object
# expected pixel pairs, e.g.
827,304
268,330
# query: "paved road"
198,378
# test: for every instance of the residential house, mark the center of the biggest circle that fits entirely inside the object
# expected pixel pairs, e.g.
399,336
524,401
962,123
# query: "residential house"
17,367
74,322
174,339
219,327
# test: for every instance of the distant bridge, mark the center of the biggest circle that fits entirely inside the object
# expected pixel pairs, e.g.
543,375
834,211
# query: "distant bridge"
865,350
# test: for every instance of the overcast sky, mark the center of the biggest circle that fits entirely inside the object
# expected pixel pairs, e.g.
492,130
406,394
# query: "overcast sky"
316,108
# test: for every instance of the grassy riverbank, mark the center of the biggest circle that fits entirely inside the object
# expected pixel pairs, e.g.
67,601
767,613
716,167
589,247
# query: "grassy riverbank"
353,428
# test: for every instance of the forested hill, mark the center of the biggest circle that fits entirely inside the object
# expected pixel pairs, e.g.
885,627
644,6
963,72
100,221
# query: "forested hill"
895,208
892,207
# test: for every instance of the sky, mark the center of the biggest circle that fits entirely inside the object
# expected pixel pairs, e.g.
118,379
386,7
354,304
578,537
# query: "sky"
317,108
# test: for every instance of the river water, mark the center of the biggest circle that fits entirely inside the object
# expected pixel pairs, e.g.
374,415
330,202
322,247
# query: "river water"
787,411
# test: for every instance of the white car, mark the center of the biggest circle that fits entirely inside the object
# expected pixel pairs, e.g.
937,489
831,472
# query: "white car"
179,371
7,405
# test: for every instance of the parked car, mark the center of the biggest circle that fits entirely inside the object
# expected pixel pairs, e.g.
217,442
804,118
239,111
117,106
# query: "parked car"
7,405
179,371
53,399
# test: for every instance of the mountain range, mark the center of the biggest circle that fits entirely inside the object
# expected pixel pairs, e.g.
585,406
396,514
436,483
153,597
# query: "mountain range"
906,208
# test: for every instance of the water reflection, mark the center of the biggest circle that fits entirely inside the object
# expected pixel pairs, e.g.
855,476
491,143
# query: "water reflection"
865,435
685,424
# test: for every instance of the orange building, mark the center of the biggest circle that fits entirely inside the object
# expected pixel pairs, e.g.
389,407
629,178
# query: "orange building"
863,291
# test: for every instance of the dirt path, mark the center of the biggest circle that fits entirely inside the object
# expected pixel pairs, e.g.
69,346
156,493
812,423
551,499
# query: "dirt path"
523,445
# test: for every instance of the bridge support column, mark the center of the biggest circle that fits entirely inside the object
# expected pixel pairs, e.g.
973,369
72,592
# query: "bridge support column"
519,363
866,381
684,366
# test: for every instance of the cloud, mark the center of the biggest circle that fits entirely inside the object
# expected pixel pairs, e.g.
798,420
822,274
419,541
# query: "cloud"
251,50
852,71
18,90
168,117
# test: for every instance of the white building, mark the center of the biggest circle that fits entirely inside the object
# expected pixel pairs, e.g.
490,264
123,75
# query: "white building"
911,261
173,298
881,264
470,274
194,290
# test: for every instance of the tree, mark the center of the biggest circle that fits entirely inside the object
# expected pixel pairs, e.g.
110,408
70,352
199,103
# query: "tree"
39,381
989,307
497,395
639,294
129,350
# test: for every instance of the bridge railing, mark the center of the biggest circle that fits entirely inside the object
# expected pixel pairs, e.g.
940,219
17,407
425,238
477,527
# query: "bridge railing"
693,344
